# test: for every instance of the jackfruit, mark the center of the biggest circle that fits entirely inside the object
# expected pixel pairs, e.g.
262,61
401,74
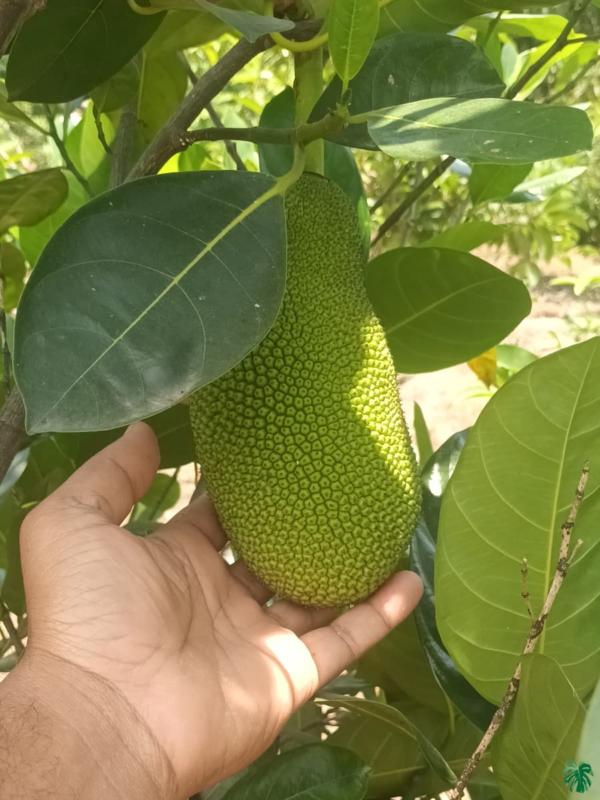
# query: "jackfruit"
303,445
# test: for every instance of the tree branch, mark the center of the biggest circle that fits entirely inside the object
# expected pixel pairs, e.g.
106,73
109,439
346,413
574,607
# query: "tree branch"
12,430
13,14
70,164
121,149
167,141
537,626
396,182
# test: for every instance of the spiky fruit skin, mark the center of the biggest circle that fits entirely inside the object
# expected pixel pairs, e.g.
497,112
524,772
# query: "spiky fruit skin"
303,445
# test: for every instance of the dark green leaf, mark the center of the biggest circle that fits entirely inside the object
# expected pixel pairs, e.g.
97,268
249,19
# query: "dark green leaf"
12,592
219,790
442,307
340,166
422,435
183,29
352,29
466,236
66,49
12,266
408,67
118,90
398,723
510,494
435,477
164,283
495,181
33,239
539,735
487,130
249,25
163,83
27,199
313,772
48,467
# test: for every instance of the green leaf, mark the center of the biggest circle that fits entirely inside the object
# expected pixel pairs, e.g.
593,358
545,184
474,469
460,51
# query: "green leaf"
510,358
545,186
408,67
352,29
16,469
66,49
118,90
11,113
590,736
27,199
12,592
442,307
12,266
160,497
340,166
539,735
87,151
251,26
172,429
164,283
466,236
422,435
163,84
435,477
487,130
313,772
397,723
33,239
184,29
495,181
543,27
510,494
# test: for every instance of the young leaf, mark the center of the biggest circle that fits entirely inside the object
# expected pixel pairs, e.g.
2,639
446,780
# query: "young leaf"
510,494
466,236
352,28
539,735
163,83
312,772
495,181
66,49
435,477
405,68
488,130
442,307
164,283
27,199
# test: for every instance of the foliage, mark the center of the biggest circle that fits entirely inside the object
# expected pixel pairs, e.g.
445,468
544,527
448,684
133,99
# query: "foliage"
452,125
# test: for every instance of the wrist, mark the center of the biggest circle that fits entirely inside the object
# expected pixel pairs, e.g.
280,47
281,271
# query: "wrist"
65,732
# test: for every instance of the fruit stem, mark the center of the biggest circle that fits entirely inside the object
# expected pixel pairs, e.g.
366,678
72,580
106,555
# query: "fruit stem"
308,87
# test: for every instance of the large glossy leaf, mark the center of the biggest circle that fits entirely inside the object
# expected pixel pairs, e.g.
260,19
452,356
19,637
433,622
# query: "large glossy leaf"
67,49
340,166
397,723
507,500
406,68
488,130
442,307
34,238
163,83
435,477
442,15
147,293
495,181
539,735
352,29
313,772
466,236
27,199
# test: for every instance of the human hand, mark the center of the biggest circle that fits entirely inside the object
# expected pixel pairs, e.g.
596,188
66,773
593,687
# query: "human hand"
181,641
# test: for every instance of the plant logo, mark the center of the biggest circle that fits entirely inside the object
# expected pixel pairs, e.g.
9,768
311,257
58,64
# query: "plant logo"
577,776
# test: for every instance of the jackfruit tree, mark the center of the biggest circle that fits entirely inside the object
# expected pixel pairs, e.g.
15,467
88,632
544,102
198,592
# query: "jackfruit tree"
249,223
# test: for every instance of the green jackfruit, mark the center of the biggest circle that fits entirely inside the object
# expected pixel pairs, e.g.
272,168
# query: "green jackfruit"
303,445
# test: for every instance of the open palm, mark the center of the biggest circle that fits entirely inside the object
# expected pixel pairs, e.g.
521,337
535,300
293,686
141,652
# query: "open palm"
183,637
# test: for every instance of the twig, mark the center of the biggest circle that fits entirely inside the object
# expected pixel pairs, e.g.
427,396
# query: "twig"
12,430
229,145
573,82
168,139
100,130
490,29
411,198
12,631
13,14
524,589
537,626
396,182
54,135
6,361
561,41
121,151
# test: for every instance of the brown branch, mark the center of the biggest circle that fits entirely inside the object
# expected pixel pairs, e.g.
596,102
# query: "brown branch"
167,141
561,41
537,626
12,430
13,14
524,589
